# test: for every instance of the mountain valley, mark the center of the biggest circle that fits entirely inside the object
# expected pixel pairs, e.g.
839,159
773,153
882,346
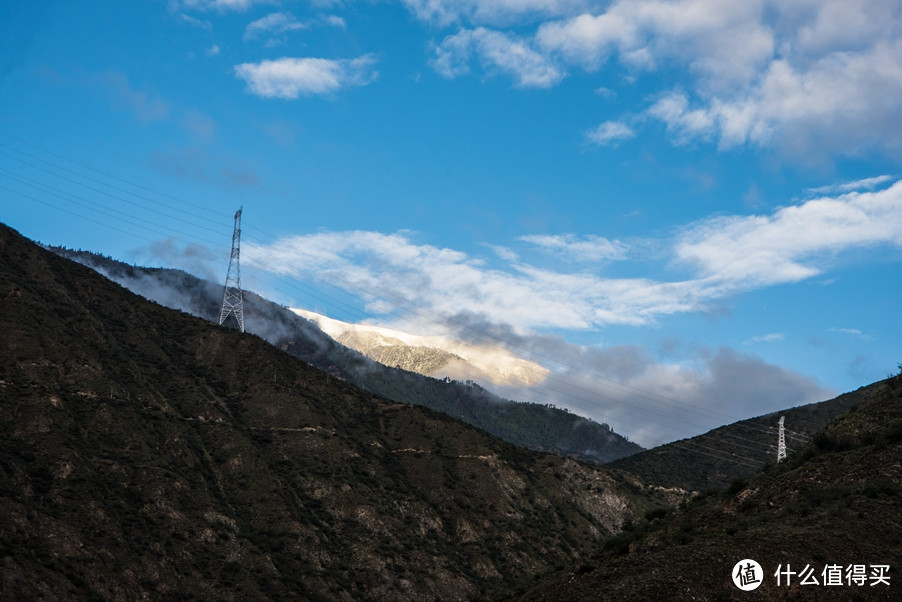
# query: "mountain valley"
149,453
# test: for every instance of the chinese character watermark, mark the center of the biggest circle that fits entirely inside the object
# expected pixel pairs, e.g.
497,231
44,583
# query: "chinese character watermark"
834,575
747,575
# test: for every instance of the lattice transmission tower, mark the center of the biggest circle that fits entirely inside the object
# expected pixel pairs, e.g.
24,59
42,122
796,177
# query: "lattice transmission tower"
781,441
232,299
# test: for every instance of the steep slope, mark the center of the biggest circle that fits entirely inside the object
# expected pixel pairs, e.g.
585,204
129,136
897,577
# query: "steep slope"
531,425
715,458
148,453
835,503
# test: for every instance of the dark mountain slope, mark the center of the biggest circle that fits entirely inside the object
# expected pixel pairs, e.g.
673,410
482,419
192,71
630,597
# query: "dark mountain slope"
715,458
837,501
145,453
530,425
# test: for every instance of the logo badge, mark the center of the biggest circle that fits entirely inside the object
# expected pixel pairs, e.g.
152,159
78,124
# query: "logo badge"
747,575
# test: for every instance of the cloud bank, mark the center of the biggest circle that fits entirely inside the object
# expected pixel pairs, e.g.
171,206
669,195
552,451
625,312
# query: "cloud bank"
506,300
654,403
814,76
717,257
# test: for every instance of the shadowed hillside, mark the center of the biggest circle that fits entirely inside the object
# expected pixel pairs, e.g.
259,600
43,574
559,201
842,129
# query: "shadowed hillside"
532,425
148,453
835,502
715,458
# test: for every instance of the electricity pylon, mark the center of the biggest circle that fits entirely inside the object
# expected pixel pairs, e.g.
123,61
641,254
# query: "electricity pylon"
781,441
232,299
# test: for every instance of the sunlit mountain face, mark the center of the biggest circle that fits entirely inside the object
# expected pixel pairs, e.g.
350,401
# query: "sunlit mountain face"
432,355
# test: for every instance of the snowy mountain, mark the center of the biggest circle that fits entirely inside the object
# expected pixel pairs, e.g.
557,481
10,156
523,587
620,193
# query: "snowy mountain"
431,355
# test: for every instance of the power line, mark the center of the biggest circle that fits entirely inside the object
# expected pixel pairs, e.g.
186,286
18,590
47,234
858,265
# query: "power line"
104,192
645,410
109,175
335,280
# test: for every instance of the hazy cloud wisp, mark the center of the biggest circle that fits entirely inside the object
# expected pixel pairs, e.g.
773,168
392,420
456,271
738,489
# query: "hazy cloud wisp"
497,52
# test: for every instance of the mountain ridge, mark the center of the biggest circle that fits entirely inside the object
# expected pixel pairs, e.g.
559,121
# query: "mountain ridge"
532,425
713,459
836,501
145,452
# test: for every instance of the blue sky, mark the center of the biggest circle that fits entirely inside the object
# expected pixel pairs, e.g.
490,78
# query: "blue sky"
673,203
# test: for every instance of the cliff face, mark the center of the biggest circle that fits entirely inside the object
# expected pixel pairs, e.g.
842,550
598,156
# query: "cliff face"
145,452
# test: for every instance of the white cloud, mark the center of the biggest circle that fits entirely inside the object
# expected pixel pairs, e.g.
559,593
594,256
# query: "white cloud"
749,251
726,255
588,248
390,267
852,332
273,25
200,24
774,337
812,78
717,39
587,39
843,103
213,50
836,25
609,132
446,12
223,5
497,52
826,84
673,110
335,21
863,184
292,77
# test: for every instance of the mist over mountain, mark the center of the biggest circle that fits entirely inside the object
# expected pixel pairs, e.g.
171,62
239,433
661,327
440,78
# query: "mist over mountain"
146,453
538,426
